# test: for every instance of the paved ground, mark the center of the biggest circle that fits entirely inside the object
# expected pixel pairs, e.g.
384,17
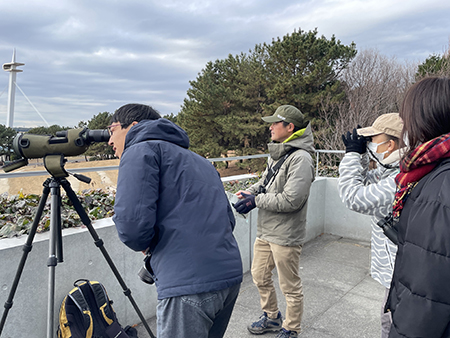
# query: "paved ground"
341,299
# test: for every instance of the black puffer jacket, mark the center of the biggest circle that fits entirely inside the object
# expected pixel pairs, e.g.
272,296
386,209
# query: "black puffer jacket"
419,298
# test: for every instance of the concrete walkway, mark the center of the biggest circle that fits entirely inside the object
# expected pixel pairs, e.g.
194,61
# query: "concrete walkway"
341,299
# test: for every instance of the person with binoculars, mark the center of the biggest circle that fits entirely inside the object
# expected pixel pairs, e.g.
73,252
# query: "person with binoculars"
371,192
170,203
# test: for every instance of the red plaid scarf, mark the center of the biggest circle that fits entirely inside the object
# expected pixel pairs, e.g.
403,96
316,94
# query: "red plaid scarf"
416,165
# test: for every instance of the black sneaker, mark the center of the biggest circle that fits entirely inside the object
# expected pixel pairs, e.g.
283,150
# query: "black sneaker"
287,334
266,324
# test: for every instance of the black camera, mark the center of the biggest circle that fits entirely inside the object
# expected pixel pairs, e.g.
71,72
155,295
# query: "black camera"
146,272
389,226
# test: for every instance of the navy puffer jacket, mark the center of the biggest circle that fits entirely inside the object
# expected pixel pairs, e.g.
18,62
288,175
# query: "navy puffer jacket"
173,201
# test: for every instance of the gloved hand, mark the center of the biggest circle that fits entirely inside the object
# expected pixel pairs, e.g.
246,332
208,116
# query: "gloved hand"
246,204
354,142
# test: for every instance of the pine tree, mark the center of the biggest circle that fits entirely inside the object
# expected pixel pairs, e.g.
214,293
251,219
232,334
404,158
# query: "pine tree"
434,65
7,135
303,68
100,151
228,98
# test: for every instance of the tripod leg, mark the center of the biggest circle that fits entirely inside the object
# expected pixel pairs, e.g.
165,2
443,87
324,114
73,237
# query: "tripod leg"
99,243
55,239
59,243
26,250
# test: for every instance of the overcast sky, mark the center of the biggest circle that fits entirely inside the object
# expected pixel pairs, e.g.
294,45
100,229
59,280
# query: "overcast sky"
86,57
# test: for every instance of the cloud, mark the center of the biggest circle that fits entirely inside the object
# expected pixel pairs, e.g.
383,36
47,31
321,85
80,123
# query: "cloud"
85,57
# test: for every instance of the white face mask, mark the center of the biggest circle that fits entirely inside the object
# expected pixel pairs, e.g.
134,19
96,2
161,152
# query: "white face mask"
373,148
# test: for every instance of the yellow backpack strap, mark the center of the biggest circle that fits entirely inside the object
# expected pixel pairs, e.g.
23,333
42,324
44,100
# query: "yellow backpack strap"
78,299
64,328
103,302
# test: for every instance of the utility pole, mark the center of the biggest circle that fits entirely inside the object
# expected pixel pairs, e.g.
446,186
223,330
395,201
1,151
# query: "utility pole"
11,67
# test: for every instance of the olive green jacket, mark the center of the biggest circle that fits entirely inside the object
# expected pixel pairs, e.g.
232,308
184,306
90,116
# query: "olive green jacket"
282,209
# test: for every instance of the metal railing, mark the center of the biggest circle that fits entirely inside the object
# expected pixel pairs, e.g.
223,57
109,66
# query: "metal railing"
318,152
116,167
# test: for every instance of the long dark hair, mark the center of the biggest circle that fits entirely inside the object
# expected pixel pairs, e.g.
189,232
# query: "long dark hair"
426,110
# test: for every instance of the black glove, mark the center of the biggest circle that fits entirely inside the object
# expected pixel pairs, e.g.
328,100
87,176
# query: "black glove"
246,204
354,142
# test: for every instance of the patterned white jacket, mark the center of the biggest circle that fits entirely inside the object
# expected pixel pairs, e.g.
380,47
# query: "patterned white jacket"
371,193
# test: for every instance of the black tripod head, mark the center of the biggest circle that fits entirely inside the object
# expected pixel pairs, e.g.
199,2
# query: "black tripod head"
54,164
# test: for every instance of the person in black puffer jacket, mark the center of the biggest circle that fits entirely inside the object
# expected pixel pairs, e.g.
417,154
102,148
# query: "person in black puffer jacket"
419,297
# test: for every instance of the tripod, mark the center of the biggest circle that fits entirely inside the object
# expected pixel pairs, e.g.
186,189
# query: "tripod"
55,166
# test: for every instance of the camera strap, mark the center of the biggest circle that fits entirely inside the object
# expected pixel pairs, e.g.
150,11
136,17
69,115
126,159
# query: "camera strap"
273,170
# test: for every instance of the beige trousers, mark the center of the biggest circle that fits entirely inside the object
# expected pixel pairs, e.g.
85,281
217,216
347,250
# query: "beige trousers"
286,259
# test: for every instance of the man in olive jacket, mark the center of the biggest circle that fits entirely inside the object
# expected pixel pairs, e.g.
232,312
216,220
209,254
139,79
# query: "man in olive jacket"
282,201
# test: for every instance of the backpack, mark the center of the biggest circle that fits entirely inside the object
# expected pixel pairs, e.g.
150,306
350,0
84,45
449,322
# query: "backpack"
86,312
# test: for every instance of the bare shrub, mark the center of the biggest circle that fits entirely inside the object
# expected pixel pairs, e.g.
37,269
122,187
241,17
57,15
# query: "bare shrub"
373,85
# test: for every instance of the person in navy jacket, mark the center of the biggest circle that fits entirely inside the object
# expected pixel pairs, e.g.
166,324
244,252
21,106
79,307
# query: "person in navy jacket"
170,203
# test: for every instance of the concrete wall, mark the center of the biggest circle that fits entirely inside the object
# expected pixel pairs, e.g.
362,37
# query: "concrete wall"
339,220
82,259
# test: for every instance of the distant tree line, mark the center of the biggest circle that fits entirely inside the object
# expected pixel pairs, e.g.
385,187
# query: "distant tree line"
334,85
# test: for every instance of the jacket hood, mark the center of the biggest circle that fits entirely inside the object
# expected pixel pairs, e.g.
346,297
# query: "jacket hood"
395,157
302,139
161,129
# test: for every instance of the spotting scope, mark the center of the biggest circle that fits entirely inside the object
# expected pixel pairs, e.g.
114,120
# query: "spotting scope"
70,142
